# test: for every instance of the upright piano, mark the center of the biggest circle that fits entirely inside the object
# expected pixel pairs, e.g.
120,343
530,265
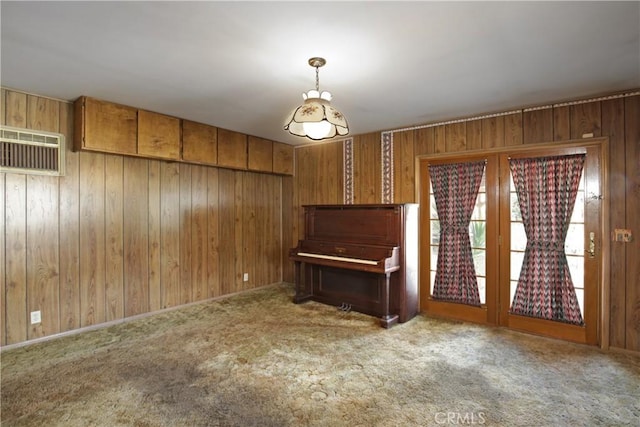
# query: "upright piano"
360,257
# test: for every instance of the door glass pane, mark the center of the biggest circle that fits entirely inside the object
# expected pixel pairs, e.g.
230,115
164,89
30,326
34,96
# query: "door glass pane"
477,238
574,243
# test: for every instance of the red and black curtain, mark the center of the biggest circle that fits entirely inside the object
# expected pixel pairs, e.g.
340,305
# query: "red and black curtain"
455,189
546,188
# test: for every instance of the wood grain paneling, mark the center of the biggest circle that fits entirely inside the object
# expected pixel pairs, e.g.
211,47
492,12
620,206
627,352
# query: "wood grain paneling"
16,109
252,244
15,257
3,336
119,236
537,126
632,135
213,234
114,208
456,137
227,231
440,139
424,140
69,224
155,237
3,306
185,234
288,231
136,236
199,233
404,167
493,132
367,180
92,239
613,126
170,234
585,119
474,135
42,254
239,228
561,124
513,129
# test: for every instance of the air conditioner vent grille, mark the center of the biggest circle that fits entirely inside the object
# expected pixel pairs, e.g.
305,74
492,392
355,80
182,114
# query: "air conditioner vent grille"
31,152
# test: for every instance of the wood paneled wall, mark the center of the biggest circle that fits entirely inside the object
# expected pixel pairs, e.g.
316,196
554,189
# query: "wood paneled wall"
119,236
617,118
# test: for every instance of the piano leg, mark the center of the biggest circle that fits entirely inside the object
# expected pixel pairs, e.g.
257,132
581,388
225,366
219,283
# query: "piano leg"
303,292
387,320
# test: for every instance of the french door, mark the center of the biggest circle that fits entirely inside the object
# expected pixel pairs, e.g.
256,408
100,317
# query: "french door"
499,244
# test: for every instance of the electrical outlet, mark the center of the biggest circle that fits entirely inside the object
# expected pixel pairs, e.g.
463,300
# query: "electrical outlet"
246,277
35,317
622,235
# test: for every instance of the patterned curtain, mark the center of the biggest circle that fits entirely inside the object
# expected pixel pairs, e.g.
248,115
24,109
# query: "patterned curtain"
547,188
455,188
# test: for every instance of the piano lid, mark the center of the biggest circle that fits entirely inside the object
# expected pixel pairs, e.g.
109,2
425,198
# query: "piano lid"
361,224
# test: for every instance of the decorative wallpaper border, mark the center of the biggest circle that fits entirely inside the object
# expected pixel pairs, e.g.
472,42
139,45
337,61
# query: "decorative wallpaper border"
347,147
386,142
522,110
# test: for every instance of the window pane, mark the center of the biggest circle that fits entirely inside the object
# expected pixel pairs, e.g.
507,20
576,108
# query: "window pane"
515,208
576,268
433,282
512,290
580,296
435,232
434,258
574,243
518,237
433,212
477,234
578,209
482,289
516,265
480,210
479,261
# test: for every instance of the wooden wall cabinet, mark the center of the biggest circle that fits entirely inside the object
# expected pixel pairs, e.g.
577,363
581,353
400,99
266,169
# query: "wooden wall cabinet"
232,149
158,135
199,143
105,126
260,154
282,158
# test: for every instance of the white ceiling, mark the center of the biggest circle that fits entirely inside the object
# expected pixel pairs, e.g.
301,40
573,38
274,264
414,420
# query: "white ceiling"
243,65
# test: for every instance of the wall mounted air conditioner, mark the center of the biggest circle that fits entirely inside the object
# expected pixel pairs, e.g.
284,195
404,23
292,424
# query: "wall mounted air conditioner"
31,152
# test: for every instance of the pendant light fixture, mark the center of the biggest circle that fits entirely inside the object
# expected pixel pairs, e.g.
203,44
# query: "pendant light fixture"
316,119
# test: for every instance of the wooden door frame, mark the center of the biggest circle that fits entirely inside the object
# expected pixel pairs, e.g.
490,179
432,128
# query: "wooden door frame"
602,144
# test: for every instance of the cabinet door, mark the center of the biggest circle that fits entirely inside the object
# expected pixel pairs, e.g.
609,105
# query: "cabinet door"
282,158
260,154
104,126
199,143
232,149
158,135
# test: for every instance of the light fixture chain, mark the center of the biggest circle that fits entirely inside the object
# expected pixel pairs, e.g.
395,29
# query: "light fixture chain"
317,79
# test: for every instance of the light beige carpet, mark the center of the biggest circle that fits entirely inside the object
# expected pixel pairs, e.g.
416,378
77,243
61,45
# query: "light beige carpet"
257,359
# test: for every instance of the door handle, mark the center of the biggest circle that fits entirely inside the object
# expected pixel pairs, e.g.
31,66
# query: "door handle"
592,244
